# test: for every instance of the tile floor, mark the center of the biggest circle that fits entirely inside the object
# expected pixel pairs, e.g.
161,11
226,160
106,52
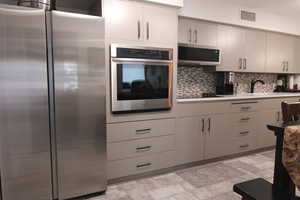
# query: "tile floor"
213,181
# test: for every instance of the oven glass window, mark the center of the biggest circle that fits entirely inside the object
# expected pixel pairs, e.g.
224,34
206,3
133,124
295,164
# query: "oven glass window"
141,82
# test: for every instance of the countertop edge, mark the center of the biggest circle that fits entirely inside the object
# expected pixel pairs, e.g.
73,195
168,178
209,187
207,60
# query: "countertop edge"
236,98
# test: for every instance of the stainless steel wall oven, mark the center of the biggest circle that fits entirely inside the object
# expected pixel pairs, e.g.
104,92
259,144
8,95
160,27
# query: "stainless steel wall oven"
141,79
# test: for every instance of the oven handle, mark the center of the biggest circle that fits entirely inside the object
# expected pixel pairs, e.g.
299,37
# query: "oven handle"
134,60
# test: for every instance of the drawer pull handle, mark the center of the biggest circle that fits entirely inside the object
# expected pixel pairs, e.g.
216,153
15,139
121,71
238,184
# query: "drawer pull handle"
245,119
244,146
144,165
246,108
143,131
244,133
143,149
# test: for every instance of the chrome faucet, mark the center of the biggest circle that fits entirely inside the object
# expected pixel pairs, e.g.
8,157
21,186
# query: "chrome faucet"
253,83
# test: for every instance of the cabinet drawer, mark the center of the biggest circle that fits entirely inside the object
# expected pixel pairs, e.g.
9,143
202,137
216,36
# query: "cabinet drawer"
140,129
244,106
141,147
245,143
132,166
244,132
243,120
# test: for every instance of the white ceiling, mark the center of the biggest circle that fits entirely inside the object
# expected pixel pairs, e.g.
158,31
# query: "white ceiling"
283,7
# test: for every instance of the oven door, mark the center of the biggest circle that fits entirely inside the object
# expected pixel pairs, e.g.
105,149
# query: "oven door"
141,85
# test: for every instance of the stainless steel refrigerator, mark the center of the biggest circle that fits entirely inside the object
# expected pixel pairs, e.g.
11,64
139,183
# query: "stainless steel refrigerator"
52,104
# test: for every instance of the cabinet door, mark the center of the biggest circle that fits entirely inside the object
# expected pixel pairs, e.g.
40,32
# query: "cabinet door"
289,55
280,53
185,31
231,41
255,50
297,58
266,138
160,25
125,20
189,139
218,138
205,34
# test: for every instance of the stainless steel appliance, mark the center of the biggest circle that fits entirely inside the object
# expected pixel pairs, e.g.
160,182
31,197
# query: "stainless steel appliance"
141,78
52,104
225,83
198,55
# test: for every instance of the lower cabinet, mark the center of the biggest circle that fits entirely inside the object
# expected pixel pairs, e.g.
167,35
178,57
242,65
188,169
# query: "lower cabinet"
266,137
139,165
140,146
218,136
203,137
144,146
189,139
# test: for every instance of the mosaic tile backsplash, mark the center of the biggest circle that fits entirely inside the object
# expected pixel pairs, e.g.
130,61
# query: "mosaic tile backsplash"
193,81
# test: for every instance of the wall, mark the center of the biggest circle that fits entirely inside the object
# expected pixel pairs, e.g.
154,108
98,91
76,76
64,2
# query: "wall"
193,81
218,11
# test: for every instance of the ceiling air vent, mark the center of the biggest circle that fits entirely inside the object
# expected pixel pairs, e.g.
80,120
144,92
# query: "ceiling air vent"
248,16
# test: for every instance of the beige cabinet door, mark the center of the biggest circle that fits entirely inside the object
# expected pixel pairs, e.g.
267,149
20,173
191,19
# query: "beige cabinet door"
125,19
266,138
205,34
160,25
255,50
290,54
296,55
197,32
219,136
231,41
280,53
185,31
190,139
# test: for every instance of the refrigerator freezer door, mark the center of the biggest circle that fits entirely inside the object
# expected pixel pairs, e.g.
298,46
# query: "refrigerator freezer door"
79,74
24,118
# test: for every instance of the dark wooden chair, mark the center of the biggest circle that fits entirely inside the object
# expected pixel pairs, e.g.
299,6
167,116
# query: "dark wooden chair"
282,187
290,112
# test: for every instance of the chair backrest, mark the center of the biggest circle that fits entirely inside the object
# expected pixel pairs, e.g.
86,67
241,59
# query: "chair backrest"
290,111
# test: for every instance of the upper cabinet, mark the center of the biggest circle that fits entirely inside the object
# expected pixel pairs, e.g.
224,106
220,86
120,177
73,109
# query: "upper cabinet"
280,53
197,32
160,24
297,58
125,20
143,23
243,50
